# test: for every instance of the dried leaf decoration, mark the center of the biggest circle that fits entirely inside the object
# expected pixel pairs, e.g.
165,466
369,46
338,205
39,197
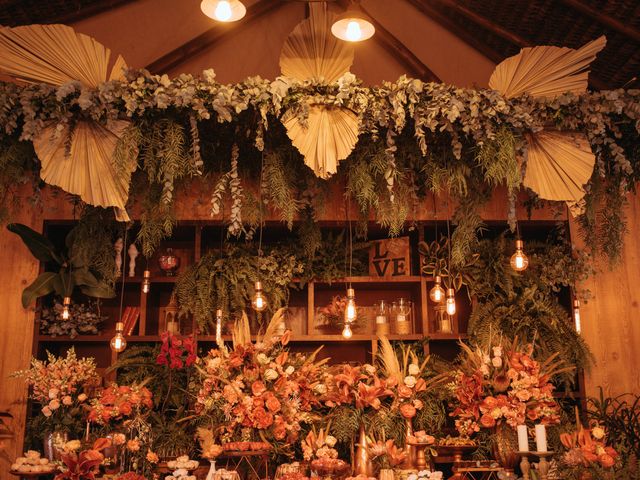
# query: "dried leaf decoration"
56,54
311,52
559,164
546,71
330,137
91,151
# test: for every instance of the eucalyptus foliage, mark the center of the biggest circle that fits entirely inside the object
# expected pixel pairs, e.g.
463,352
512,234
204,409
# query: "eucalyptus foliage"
415,137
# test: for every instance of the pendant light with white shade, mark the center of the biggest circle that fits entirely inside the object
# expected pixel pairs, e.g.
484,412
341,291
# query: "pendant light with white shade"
353,25
223,10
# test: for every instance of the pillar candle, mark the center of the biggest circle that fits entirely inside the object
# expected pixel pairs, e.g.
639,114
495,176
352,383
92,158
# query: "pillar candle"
541,438
523,439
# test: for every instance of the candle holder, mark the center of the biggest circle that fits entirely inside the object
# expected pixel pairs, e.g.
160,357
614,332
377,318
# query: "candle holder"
543,464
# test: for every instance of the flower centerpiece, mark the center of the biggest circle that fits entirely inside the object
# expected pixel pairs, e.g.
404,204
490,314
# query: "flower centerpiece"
258,392
588,454
57,385
115,403
501,387
83,465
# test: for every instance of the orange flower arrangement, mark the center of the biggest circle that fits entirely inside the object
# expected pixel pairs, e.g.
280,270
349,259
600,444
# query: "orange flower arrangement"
260,388
503,384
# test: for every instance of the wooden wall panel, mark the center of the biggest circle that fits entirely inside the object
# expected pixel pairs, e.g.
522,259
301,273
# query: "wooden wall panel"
19,269
611,320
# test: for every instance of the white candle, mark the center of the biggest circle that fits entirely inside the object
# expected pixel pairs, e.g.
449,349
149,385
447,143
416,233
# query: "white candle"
523,438
541,438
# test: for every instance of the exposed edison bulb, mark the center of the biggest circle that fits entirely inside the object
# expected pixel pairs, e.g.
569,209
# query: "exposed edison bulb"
346,331
519,261
576,316
219,326
451,301
118,342
223,10
66,304
259,303
146,281
436,294
350,309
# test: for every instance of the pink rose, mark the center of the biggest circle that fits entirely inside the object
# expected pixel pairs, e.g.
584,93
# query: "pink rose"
46,411
54,404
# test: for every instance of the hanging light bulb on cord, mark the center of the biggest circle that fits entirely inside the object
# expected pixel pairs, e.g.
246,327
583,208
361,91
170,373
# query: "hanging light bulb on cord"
576,315
451,301
219,327
146,281
66,304
350,313
118,342
353,25
519,260
223,10
259,302
436,294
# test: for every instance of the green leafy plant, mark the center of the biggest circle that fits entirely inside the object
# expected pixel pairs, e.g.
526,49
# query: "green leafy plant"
71,268
526,305
620,417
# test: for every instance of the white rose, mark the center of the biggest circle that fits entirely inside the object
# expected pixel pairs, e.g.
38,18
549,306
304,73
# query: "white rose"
82,397
330,440
270,374
213,362
410,381
414,369
485,369
320,389
496,362
598,432
290,369
497,351
53,393
262,359
370,369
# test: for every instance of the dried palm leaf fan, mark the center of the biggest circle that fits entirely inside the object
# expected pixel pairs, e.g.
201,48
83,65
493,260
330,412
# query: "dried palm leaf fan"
558,163
311,52
56,54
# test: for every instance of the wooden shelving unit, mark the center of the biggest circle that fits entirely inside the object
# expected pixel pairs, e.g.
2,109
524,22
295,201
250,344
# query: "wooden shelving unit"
191,240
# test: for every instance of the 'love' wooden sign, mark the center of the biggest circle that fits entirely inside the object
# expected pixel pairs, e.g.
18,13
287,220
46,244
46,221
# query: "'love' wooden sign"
389,258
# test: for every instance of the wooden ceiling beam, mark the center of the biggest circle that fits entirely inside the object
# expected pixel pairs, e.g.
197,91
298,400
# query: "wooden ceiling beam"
89,10
613,23
415,67
505,34
426,9
211,36
484,22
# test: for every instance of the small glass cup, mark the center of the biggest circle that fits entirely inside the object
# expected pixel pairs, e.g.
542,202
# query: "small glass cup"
382,318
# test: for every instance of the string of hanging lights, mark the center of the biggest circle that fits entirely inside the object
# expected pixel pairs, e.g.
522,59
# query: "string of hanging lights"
354,25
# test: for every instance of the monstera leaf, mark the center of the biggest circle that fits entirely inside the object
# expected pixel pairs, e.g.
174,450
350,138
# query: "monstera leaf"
69,271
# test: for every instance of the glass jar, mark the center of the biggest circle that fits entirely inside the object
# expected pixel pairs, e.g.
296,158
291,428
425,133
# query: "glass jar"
382,318
402,317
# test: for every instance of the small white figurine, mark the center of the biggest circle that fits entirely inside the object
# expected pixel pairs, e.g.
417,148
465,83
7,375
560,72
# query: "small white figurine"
118,247
133,253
